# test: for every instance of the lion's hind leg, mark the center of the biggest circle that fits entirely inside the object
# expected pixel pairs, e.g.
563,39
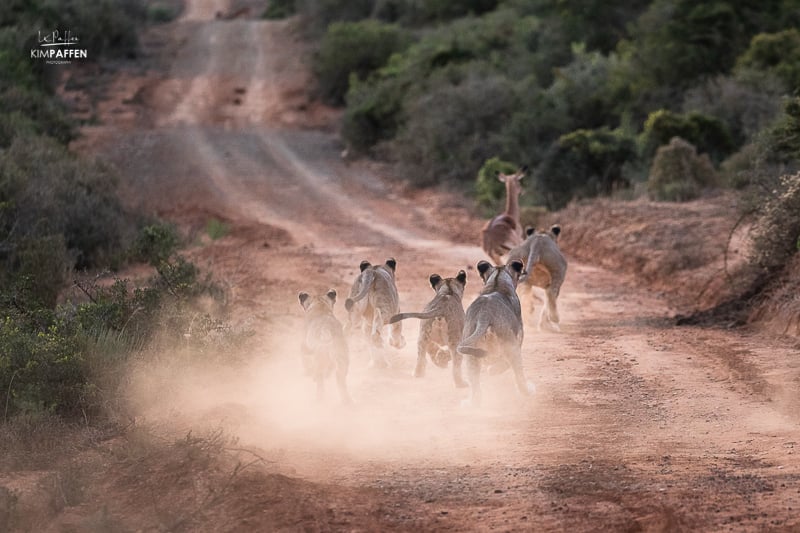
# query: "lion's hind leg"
396,338
525,387
458,377
342,366
422,352
474,374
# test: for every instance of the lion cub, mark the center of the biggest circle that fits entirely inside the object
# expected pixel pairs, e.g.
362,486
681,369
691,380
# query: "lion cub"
546,268
493,327
373,301
441,326
324,346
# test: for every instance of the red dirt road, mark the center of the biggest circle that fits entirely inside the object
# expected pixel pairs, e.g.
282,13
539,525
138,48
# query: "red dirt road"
637,425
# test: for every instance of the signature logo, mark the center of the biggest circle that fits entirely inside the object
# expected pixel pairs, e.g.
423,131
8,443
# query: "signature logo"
57,38
58,47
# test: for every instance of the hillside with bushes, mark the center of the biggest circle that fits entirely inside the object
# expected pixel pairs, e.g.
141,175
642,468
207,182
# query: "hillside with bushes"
63,225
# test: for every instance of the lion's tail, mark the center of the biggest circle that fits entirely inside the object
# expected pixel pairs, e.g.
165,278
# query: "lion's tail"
467,345
534,255
423,316
367,277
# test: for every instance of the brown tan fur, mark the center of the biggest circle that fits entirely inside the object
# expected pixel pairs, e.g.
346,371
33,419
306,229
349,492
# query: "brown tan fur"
503,232
493,327
546,267
373,301
324,347
441,326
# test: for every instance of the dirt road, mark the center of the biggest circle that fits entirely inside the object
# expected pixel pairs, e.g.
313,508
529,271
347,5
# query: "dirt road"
636,424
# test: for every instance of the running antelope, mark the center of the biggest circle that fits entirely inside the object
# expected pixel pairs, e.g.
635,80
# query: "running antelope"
504,232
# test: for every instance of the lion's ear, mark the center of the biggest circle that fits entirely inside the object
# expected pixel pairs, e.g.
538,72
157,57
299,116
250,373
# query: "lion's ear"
303,297
435,279
364,265
517,266
462,277
483,267
392,263
331,294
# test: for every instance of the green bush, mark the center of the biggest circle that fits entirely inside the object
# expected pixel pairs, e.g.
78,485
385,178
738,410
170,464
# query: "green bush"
413,12
216,229
43,264
678,173
784,136
15,124
320,14
41,370
776,232
161,13
708,134
373,112
354,48
156,243
774,54
278,9
448,132
771,152
744,108
584,163
35,111
50,191
380,105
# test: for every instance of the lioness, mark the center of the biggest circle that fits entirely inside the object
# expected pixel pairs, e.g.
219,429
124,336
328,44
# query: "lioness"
493,327
546,268
324,346
441,326
373,301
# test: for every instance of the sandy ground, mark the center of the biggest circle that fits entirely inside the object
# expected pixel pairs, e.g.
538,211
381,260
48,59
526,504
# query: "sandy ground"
636,425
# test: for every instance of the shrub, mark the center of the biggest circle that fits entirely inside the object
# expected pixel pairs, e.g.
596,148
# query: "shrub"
708,134
774,54
161,13
448,133
42,114
744,108
784,136
354,48
776,233
40,370
50,191
584,163
156,243
373,112
216,229
678,173
278,9
587,109
42,265
412,12
106,27
378,107
322,13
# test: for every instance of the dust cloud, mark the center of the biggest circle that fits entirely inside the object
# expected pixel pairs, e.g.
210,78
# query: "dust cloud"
267,403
